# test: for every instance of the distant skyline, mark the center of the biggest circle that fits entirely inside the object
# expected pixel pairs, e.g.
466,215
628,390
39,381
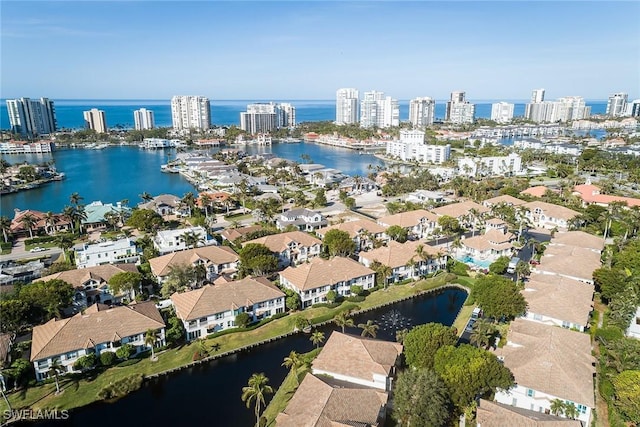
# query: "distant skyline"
307,50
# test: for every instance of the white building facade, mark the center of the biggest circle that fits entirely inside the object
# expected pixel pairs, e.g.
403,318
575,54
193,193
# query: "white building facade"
112,252
266,117
31,117
422,111
378,110
411,146
458,110
347,106
95,119
173,240
617,104
491,166
502,112
190,112
143,119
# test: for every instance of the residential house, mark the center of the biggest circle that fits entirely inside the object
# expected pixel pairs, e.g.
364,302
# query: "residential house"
322,401
357,185
425,196
41,224
419,223
98,215
505,198
364,232
548,215
462,211
590,194
165,204
538,191
109,252
571,262
12,272
578,239
216,259
377,360
233,234
558,301
495,242
214,308
292,247
314,279
167,241
302,218
494,414
548,363
98,329
407,260
91,284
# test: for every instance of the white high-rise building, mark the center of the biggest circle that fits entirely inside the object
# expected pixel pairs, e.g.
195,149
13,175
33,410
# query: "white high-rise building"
421,111
617,104
32,117
411,146
563,110
265,117
633,108
378,110
190,112
459,111
537,96
143,119
96,120
502,112
347,106
491,166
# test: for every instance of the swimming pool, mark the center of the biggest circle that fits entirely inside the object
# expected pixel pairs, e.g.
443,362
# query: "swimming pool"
478,263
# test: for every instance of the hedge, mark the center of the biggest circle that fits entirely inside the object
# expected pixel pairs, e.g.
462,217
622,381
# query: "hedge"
36,240
6,246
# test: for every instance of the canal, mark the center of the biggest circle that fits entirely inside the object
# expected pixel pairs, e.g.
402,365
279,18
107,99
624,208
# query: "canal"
209,394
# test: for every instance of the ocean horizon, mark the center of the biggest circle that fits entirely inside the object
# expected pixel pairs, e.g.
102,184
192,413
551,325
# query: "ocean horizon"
226,112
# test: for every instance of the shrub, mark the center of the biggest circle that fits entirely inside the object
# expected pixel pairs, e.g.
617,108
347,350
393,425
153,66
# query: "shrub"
107,358
37,240
610,333
326,304
6,246
85,362
460,269
125,351
242,320
121,387
356,289
357,298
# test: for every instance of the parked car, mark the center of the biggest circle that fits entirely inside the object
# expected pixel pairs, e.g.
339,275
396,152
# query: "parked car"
38,249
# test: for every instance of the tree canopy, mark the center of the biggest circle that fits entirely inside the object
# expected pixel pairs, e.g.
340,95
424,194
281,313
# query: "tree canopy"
470,372
421,399
46,299
338,243
627,392
257,259
125,281
397,233
145,220
422,342
498,297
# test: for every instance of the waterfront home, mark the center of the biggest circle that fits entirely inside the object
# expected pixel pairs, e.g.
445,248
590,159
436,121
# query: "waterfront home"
495,242
165,204
42,223
425,196
302,218
503,199
364,232
357,185
407,260
12,272
291,248
494,414
98,215
91,284
548,363
233,234
167,241
213,308
217,260
322,401
109,252
376,360
98,329
538,191
548,215
590,194
419,223
24,147
558,301
466,212
314,279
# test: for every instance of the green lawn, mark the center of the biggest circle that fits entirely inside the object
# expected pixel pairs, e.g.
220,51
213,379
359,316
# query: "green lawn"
82,392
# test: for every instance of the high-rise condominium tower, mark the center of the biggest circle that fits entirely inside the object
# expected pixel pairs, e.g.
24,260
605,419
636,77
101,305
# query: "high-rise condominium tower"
617,104
459,110
265,117
346,106
502,112
143,119
421,111
378,110
32,117
562,110
190,112
96,120
537,95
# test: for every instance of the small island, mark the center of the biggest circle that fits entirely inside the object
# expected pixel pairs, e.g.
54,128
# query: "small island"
25,176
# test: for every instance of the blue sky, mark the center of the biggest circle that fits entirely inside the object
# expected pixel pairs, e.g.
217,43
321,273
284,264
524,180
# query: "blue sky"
307,50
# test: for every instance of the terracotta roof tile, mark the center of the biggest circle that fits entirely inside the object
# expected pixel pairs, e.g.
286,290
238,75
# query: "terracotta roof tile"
100,273
213,254
408,219
280,242
456,210
493,414
559,297
319,272
355,227
398,254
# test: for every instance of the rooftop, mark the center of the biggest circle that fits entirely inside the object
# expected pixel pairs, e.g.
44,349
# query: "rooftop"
320,272
559,297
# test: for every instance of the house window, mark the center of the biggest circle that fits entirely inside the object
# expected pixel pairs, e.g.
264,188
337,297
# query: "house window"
530,393
582,409
537,317
279,310
566,324
218,316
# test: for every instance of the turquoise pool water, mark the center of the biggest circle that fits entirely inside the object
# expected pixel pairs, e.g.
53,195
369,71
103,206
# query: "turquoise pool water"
470,260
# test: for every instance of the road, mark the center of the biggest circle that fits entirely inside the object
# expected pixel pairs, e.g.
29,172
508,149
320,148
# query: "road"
18,252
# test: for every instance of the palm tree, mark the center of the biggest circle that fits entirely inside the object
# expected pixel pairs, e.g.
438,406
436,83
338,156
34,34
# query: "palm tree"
150,338
343,320
112,219
205,201
522,270
64,242
385,271
293,362
55,369
146,197
191,239
533,243
482,334
369,328
28,221
5,224
570,410
49,221
201,344
188,201
256,389
75,199
557,407
317,338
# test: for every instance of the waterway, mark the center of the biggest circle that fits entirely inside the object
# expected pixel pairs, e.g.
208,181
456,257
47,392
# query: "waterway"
209,394
124,172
